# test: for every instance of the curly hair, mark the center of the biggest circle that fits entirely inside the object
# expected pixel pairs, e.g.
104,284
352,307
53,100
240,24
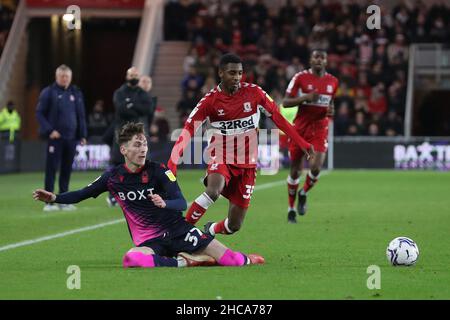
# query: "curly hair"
128,131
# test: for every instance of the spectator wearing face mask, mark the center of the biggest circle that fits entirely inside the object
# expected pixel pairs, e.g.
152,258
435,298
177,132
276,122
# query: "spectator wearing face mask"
132,104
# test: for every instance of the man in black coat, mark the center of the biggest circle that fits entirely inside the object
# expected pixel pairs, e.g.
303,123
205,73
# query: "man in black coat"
132,104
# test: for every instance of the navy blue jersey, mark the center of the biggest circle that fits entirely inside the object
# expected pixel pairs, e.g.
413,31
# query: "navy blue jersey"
62,110
132,190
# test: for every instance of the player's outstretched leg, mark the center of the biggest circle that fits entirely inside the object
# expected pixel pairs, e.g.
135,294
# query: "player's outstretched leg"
236,259
197,260
301,205
227,257
198,208
213,228
214,254
144,257
229,225
311,180
293,181
292,192
138,259
215,185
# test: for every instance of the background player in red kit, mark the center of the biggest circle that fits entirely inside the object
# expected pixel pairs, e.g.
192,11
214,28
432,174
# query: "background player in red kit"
233,109
313,91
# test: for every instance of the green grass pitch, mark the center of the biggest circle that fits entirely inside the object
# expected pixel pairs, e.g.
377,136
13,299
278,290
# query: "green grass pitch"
352,217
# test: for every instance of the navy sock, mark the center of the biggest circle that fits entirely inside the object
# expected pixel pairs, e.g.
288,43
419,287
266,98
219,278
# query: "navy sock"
161,261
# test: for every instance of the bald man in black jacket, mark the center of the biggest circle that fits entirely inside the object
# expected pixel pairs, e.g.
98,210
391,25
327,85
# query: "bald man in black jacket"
131,104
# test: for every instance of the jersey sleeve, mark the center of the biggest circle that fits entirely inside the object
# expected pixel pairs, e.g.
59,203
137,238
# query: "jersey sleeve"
294,90
195,120
167,180
92,190
270,109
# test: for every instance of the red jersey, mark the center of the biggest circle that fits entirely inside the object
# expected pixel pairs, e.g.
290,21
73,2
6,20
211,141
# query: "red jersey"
234,118
305,82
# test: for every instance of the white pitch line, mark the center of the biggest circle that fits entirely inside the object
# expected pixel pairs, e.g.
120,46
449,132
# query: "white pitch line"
101,225
270,185
59,235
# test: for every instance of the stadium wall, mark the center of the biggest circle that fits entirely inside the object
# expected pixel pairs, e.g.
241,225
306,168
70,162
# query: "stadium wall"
384,153
420,153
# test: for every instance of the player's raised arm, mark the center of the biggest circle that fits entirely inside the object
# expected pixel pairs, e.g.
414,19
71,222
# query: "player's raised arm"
92,190
270,109
195,120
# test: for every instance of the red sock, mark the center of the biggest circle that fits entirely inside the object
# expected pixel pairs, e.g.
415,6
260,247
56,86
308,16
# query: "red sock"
310,182
198,208
222,227
194,213
292,190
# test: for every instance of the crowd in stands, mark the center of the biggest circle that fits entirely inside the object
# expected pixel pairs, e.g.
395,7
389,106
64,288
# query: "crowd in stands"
371,65
7,10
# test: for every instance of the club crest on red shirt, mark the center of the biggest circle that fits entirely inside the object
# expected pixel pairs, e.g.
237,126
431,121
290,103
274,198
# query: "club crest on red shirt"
247,107
329,89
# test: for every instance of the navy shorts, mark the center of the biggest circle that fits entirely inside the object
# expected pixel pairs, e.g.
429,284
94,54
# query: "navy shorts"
183,238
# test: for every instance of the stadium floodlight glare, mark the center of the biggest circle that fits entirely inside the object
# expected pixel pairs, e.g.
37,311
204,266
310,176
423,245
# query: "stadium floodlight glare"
68,17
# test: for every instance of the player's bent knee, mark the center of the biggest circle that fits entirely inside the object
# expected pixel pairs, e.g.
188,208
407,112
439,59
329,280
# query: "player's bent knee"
136,259
139,257
234,227
315,171
294,174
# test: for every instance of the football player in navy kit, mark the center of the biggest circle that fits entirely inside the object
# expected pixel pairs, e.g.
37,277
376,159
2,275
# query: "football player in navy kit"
152,203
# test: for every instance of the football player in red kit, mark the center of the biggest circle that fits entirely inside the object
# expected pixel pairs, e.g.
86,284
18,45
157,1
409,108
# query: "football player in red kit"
313,90
233,109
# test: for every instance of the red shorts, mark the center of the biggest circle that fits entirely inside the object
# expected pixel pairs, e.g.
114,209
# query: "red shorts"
239,182
314,133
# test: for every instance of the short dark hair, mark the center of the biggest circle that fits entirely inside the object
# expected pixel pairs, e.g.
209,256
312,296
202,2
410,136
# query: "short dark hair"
229,58
128,131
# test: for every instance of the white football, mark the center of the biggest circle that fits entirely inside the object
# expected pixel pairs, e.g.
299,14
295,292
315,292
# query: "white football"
402,251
